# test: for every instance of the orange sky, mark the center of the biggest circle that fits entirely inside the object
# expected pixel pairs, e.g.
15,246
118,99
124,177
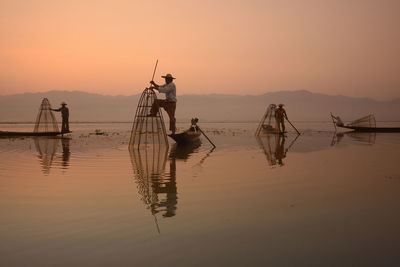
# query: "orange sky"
233,47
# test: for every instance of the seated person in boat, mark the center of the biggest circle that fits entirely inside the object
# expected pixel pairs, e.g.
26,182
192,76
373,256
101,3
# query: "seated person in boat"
169,104
65,117
338,121
280,115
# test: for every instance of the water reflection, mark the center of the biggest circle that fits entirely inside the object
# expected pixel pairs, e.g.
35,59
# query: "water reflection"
183,152
157,188
156,183
46,148
358,137
275,147
66,153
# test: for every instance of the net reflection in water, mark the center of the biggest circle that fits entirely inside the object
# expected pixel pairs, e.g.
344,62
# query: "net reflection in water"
157,188
46,148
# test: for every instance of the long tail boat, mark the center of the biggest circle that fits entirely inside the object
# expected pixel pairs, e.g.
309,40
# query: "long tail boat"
10,134
364,124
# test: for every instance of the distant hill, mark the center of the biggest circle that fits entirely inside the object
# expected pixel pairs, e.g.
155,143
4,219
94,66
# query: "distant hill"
300,105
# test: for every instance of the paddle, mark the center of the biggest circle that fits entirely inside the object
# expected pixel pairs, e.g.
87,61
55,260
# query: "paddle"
292,125
205,136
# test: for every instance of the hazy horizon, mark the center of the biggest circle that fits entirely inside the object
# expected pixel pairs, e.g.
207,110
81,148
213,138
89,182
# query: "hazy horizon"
225,47
198,94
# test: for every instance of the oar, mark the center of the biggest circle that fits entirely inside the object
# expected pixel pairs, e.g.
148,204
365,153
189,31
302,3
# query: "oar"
292,125
206,136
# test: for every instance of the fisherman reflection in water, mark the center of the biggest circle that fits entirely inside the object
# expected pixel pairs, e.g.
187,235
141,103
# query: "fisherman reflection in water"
65,152
280,114
65,117
280,152
169,104
169,188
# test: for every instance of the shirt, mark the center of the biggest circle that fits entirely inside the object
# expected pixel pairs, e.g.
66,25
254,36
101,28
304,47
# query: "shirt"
280,112
64,112
169,90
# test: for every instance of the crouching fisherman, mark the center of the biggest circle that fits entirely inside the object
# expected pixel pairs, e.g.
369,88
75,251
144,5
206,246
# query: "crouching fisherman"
65,117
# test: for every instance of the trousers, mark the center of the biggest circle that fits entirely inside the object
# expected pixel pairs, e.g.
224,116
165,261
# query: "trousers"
281,122
65,125
169,107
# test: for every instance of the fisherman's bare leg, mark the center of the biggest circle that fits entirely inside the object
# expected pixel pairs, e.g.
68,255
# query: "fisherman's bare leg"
278,125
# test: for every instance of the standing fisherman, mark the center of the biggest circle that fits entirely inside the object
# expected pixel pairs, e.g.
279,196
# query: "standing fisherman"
169,104
65,116
280,114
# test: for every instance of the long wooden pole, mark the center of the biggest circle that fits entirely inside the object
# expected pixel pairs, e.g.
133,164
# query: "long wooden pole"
334,124
292,126
154,72
206,136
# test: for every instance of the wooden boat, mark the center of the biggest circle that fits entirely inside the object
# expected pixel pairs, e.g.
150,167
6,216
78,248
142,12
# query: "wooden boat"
364,124
372,129
186,137
190,136
6,133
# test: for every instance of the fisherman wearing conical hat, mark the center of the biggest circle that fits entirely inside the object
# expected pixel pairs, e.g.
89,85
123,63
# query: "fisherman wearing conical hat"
65,117
169,103
280,114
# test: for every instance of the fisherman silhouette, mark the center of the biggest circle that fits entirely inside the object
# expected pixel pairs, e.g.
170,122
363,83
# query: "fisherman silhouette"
65,117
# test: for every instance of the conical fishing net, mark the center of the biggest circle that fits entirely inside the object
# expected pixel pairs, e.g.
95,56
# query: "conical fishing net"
146,129
268,123
45,120
367,121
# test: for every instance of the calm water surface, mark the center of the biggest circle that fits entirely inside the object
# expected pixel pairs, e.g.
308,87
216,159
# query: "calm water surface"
320,199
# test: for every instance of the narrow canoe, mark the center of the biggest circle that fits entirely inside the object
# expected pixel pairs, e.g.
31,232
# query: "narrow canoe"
5,133
185,138
373,129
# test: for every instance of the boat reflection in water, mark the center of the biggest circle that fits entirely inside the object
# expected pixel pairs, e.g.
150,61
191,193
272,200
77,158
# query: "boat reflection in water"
47,149
367,138
275,147
183,152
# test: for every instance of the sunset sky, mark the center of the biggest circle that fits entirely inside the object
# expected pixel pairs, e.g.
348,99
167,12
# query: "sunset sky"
349,47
